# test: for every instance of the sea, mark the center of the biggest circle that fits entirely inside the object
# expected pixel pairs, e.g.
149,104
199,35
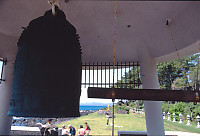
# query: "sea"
86,107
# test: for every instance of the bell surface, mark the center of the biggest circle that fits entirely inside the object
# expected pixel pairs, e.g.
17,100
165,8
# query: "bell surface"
47,71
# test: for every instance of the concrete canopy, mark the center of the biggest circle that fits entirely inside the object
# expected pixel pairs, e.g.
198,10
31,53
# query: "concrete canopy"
140,27
141,34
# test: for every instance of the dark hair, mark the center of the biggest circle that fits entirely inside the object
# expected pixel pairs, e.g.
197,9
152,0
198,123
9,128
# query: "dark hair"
81,126
50,119
85,122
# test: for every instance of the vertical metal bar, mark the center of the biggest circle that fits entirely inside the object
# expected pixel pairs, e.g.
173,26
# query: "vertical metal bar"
129,65
93,74
117,74
133,75
89,73
138,75
4,63
125,75
121,74
109,74
101,74
113,76
2,71
105,74
85,74
97,73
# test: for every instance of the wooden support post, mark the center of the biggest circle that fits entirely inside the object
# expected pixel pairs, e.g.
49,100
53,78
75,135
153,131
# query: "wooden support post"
143,94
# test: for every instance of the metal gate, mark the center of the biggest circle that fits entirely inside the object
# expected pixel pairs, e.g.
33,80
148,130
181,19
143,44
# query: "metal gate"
127,75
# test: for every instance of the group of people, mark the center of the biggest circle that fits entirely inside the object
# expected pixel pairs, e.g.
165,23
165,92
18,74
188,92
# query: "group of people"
51,130
48,129
72,131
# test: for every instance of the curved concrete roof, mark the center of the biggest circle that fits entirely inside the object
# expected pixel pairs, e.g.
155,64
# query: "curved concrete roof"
140,27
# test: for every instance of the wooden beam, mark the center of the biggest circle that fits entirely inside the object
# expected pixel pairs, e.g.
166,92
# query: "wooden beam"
143,94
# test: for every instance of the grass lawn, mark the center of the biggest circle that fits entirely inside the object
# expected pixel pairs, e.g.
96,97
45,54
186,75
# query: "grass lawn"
134,122
175,126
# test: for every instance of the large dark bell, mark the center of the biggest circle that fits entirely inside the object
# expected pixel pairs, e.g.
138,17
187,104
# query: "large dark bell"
47,72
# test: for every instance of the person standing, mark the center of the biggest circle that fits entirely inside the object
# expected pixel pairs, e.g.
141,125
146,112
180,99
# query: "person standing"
107,116
72,130
81,131
48,128
41,127
87,129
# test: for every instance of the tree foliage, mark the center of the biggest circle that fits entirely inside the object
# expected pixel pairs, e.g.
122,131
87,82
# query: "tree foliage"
130,79
176,74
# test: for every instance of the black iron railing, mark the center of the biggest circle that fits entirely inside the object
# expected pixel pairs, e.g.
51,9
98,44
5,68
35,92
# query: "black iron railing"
3,62
127,75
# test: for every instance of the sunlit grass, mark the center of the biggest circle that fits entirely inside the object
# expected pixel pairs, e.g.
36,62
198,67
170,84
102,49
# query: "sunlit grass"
98,126
134,122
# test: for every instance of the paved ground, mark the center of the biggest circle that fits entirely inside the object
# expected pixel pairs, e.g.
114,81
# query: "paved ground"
179,133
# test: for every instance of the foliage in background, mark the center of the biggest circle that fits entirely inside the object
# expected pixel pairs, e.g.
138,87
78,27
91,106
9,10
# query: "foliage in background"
176,74
130,79
183,108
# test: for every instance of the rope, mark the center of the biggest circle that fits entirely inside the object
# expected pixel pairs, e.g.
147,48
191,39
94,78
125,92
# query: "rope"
174,43
113,116
197,82
115,37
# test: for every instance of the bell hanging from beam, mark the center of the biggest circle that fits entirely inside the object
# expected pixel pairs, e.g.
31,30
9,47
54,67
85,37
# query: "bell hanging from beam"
47,71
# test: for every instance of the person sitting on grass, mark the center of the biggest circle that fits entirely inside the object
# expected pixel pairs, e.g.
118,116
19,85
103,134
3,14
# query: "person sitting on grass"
72,130
64,131
81,131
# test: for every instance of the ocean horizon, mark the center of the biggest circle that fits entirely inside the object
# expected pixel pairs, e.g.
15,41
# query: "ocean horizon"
90,107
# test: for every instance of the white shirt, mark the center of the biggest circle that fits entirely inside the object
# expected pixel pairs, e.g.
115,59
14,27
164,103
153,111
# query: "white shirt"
64,131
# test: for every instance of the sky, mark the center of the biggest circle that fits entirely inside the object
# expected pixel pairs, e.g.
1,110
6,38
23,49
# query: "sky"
105,76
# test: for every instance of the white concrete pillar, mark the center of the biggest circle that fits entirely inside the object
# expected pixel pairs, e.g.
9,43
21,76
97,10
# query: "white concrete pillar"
8,50
153,109
5,93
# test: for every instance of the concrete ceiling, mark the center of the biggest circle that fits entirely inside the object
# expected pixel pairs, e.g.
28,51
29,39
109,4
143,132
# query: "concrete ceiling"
140,27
